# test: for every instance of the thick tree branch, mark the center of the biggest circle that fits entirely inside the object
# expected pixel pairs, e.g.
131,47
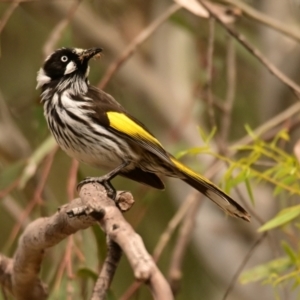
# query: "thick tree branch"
20,275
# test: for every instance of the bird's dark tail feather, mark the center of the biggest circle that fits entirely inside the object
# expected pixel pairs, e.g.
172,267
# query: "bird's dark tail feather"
211,191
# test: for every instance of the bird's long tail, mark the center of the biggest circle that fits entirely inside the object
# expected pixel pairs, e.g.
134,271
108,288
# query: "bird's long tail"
211,191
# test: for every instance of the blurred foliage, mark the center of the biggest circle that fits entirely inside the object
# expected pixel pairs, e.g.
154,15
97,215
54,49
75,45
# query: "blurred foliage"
263,162
259,162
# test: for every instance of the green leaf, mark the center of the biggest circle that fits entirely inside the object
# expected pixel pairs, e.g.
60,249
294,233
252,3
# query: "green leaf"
35,159
87,273
290,252
211,134
100,241
265,271
284,216
11,173
250,131
193,151
249,190
207,138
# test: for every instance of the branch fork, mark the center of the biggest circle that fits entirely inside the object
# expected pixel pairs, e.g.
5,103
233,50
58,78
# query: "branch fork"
20,274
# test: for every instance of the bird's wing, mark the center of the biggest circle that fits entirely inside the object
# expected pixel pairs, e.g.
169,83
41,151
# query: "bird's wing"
127,126
109,113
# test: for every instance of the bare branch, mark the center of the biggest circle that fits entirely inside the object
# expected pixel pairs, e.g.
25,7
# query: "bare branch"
256,53
20,276
209,70
185,235
58,30
241,267
265,19
118,230
230,94
143,36
107,273
8,13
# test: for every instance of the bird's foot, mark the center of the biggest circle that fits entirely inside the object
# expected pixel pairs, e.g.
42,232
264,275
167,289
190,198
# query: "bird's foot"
103,180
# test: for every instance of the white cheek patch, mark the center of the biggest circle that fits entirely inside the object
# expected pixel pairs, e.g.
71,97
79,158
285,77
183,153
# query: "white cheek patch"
42,78
71,67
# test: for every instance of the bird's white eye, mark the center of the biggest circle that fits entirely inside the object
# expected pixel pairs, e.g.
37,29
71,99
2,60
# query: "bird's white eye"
64,58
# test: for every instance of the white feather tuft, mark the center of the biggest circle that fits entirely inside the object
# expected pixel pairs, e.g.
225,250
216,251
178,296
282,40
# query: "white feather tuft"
42,78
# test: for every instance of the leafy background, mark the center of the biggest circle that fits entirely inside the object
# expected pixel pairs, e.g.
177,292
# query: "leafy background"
209,100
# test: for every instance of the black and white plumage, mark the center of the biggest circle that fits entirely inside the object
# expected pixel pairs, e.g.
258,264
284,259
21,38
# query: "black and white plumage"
91,126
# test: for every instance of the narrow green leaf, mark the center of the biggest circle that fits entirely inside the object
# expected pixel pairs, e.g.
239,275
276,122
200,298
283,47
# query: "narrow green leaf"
290,252
202,134
11,173
249,190
264,271
250,131
101,242
193,151
35,159
87,273
211,134
285,216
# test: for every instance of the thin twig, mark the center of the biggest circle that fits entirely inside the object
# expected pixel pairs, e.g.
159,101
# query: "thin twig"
241,267
255,52
230,93
58,30
264,19
10,188
71,185
163,241
209,71
37,195
172,225
142,37
8,14
269,125
184,237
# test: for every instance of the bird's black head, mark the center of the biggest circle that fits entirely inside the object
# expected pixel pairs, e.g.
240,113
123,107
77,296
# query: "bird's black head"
64,63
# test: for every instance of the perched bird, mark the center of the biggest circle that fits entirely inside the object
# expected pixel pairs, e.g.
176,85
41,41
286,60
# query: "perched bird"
91,126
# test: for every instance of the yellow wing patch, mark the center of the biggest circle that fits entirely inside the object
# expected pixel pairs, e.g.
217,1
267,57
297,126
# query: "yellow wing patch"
189,172
124,124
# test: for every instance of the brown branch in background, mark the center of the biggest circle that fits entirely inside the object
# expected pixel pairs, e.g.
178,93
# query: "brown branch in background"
163,241
230,94
172,225
10,188
71,185
114,254
265,19
255,52
269,125
241,267
142,37
37,196
57,31
8,13
184,237
209,71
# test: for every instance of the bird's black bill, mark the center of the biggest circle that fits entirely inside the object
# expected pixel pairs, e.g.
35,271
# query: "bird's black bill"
92,52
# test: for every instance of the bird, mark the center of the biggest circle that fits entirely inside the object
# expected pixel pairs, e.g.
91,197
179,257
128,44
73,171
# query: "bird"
92,127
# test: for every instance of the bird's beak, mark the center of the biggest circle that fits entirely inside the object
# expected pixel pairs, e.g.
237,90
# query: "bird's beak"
89,53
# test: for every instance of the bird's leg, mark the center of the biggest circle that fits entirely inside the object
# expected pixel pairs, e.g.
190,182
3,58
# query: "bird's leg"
105,180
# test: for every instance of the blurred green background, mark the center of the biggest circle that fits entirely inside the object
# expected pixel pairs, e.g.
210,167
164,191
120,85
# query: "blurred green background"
164,84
